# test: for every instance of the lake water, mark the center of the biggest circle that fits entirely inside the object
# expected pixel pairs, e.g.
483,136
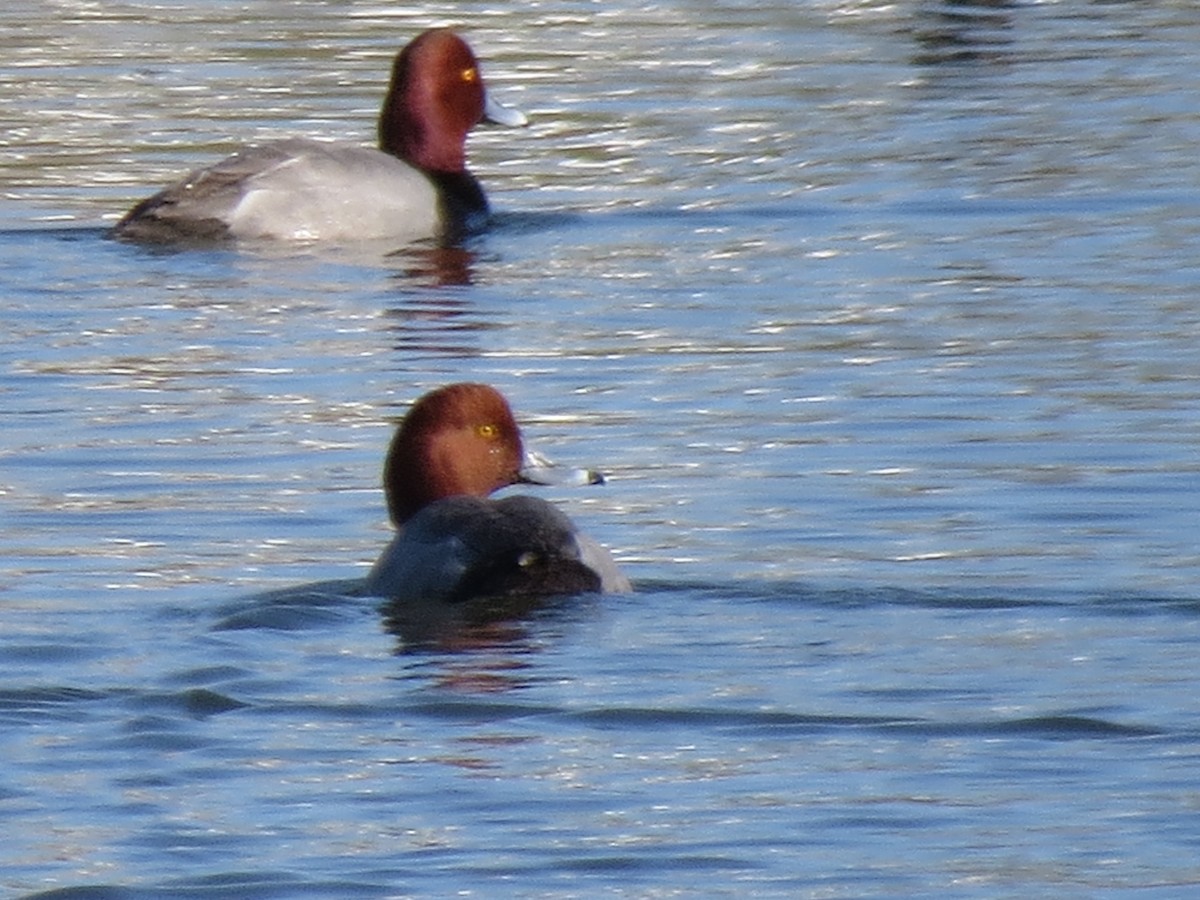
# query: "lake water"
882,319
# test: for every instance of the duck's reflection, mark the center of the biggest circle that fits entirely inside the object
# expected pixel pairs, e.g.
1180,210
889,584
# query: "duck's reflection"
480,647
428,313
434,266
490,623
963,31
434,323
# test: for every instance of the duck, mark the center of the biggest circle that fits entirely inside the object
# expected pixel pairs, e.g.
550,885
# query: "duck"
414,186
456,544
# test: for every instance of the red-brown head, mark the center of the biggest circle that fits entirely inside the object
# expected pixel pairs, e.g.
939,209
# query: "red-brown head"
435,98
458,439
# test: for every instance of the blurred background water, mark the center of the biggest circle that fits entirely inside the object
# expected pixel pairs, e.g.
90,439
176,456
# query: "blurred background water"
882,318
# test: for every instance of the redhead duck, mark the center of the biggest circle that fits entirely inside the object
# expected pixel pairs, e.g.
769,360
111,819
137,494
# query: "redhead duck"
456,446
415,186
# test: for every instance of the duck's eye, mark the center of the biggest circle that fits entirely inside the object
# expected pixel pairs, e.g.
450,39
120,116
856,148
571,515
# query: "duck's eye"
469,75
487,432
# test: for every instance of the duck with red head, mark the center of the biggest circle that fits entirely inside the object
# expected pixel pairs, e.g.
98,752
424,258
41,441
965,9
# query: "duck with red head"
415,186
454,543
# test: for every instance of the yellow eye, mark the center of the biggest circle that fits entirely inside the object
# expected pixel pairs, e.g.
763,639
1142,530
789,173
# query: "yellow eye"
487,432
470,74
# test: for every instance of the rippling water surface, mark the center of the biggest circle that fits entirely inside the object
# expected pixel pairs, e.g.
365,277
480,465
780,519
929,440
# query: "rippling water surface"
882,318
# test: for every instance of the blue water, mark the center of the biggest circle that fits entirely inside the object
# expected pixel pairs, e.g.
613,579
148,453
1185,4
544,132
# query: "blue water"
881,319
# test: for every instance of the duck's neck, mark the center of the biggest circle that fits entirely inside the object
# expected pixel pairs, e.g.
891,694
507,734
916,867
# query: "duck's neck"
464,204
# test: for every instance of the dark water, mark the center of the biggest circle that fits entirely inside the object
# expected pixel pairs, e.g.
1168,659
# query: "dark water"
882,319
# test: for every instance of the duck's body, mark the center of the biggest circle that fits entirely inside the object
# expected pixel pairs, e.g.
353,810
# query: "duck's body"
454,543
463,548
297,189
414,186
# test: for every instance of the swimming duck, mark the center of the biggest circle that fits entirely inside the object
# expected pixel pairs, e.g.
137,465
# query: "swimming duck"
414,186
455,447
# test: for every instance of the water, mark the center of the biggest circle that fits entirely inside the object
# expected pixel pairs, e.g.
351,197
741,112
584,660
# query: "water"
881,318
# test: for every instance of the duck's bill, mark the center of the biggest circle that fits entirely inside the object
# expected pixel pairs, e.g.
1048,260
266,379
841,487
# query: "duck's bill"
502,115
537,469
